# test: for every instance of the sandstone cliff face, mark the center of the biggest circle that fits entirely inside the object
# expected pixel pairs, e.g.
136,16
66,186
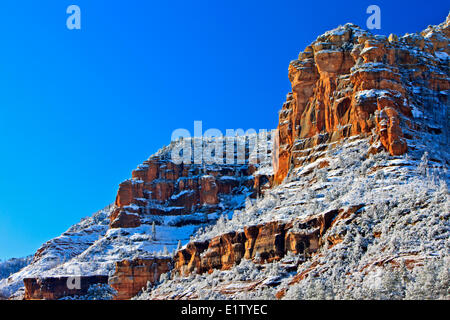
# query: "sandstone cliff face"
162,187
133,275
347,86
349,82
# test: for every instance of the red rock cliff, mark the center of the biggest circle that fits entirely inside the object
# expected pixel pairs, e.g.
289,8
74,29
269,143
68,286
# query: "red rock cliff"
161,187
132,275
350,82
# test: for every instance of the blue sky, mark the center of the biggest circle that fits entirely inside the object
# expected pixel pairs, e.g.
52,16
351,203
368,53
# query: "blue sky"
80,109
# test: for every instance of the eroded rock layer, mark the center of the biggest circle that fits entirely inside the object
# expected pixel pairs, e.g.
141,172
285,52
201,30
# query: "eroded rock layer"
350,82
131,276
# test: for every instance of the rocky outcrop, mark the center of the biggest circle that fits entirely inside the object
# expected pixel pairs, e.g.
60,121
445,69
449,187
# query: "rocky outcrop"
54,288
349,82
131,276
160,186
392,91
261,243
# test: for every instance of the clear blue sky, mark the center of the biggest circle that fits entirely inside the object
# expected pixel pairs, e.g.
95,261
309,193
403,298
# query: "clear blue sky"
80,109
